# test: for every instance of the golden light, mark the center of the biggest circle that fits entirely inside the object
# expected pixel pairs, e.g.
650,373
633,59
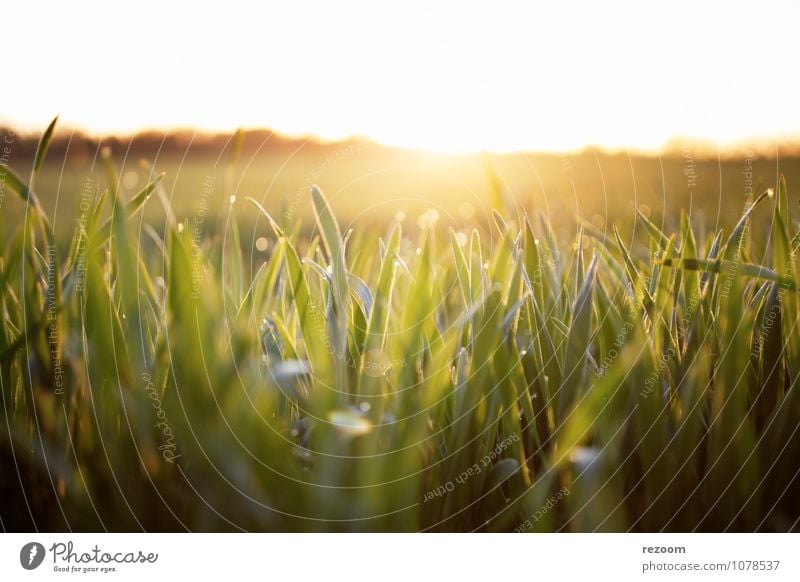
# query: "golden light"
448,77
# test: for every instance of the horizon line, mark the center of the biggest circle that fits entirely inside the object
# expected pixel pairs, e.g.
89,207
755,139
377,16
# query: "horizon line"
692,145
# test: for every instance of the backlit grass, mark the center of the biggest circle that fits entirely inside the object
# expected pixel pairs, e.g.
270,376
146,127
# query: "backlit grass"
158,377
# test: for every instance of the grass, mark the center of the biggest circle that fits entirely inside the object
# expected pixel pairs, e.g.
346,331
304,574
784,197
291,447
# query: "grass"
481,380
600,186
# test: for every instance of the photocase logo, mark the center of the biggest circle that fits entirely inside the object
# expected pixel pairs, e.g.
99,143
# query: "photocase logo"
31,555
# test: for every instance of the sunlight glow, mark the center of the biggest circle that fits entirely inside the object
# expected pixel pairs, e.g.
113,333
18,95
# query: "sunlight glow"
443,77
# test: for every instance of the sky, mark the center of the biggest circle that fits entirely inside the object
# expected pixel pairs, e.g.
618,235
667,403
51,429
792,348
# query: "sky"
444,76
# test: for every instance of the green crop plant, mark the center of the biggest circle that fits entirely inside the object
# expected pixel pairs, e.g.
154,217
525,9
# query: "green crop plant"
489,379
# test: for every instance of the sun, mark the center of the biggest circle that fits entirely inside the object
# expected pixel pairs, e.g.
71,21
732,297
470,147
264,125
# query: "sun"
444,78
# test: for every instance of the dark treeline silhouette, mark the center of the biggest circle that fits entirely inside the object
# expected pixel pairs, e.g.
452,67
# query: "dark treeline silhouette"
151,143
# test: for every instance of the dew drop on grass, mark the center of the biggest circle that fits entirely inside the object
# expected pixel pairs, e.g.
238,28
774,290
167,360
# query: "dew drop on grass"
349,422
233,199
376,363
585,457
301,453
770,192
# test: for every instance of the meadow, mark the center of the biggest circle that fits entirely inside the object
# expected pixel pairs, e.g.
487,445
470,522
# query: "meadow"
242,359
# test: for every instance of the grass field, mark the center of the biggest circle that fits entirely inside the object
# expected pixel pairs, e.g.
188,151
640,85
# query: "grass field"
366,182
482,374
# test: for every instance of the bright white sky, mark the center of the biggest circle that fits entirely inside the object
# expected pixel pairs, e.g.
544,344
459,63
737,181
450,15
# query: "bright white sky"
460,76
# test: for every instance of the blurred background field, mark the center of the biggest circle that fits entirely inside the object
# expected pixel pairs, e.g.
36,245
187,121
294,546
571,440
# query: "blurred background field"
370,183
